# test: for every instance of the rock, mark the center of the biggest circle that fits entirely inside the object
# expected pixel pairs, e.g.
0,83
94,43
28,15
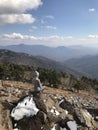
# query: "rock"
29,115
1,86
87,118
5,120
64,104
53,110
1,127
79,117
39,102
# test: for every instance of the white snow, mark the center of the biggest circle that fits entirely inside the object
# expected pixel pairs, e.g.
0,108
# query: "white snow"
15,124
62,128
54,127
54,111
16,129
27,108
72,125
88,114
66,112
62,100
96,117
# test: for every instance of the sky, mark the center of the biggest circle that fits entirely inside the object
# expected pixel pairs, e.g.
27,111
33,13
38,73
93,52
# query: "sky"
49,22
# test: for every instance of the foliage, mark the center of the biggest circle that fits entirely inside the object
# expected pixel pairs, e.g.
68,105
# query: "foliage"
79,85
24,73
48,77
12,71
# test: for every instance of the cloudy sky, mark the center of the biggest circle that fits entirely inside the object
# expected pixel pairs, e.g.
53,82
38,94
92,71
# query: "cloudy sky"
49,22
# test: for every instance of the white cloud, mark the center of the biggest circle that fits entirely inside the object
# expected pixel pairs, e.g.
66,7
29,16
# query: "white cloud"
33,28
91,9
50,16
69,37
18,6
16,19
45,19
13,36
28,37
92,36
19,36
13,11
55,40
51,27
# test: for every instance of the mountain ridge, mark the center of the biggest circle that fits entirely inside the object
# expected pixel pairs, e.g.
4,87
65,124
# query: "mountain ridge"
88,64
36,61
60,53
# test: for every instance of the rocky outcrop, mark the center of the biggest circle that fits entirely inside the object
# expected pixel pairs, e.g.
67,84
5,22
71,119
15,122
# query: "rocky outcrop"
52,110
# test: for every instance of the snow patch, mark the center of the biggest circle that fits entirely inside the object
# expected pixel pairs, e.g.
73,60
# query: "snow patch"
62,128
72,125
88,114
54,127
15,124
62,100
26,107
16,129
54,111
66,112
97,117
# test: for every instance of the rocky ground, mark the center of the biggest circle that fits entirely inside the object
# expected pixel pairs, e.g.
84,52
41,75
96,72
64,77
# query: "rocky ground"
57,108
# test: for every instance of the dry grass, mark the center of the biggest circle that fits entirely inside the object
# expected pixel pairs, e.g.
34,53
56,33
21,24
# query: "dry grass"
51,90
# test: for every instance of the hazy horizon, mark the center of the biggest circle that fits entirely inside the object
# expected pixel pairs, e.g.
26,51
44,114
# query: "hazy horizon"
69,46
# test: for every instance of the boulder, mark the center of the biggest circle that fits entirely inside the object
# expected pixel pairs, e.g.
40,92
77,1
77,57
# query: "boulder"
30,114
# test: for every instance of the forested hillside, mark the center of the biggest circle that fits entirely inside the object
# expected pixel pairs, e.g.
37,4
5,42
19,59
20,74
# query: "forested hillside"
48,77
87,64
7,56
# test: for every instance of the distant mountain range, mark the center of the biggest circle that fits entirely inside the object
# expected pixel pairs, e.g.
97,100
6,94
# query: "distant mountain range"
87,64
79,60
60,53
35,61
